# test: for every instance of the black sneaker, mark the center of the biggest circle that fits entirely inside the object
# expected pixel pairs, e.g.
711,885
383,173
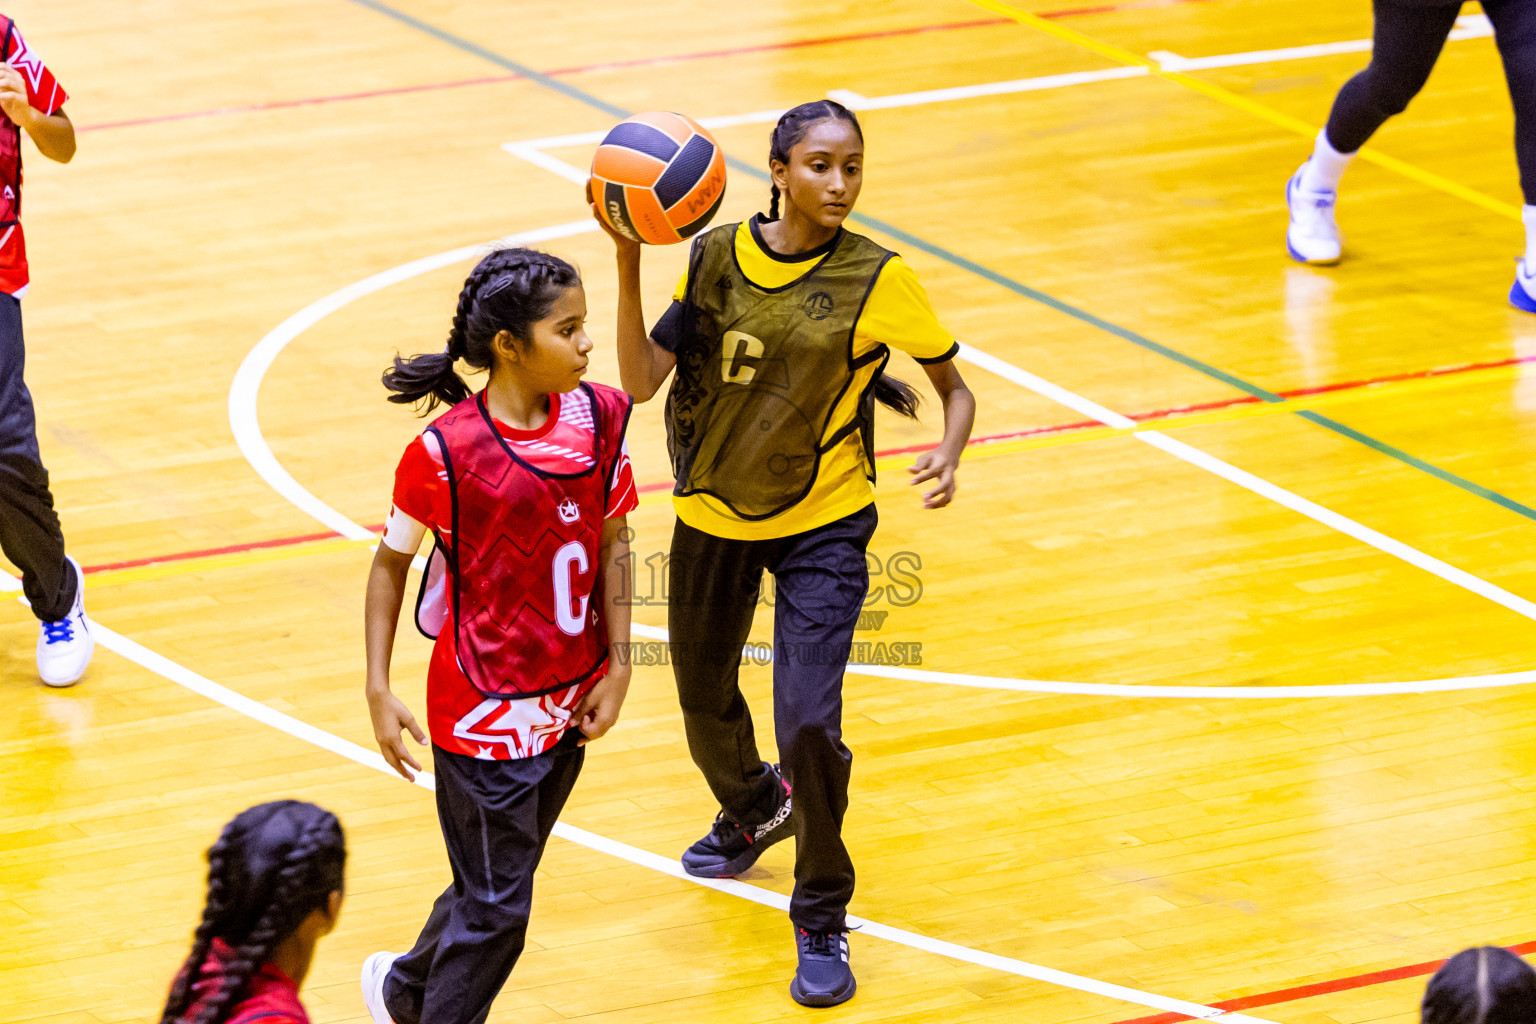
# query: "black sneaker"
731,848
823,977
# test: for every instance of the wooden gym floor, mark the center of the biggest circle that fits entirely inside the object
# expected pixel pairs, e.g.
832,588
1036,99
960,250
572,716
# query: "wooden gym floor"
1307,505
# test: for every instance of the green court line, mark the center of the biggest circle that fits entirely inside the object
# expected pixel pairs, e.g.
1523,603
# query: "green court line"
1000,279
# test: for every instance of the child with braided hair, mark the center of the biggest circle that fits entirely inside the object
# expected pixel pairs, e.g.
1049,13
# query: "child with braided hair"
779,334
274,889
525,486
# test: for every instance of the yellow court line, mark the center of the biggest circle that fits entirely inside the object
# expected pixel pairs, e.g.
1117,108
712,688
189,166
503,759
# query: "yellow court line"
1243,103
895,463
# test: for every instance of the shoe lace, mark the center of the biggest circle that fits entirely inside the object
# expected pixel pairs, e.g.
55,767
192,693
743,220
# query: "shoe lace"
61,632
819,944
724,828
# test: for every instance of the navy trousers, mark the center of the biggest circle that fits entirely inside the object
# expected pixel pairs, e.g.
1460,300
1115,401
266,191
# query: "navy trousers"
820,581
496,817
1406,43
29,527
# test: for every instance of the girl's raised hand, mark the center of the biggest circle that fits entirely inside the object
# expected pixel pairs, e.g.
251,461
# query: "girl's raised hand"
390,718
935,465
626,246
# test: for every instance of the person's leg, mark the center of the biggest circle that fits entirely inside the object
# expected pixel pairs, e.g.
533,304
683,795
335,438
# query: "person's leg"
29,527
821,579
496,817
712,593
1406,42
1514,27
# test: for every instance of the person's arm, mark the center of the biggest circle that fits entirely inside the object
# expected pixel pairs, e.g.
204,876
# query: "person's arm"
381,612
643,364
959,416
54,134
599,709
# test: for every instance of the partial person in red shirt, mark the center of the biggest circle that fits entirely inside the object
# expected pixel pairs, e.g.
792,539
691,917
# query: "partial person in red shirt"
524,487
31,100
274,890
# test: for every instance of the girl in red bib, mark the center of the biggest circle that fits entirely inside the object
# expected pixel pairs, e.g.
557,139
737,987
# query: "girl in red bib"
274,889
524,487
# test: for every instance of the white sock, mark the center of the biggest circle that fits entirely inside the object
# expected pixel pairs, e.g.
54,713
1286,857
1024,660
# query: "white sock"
1326,167
1528,214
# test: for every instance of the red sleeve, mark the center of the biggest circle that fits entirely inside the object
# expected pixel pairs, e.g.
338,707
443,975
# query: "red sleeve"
622,496
43,90
421,484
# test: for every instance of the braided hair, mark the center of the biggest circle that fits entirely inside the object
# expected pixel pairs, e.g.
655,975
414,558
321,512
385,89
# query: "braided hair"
892,392
272,866
509,290
1483,985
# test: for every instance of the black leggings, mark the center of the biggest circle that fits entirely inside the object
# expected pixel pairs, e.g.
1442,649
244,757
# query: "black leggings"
1406,43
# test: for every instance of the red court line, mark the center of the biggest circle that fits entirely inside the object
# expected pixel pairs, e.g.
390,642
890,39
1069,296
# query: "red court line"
640,62
1320,988
660,485
232,549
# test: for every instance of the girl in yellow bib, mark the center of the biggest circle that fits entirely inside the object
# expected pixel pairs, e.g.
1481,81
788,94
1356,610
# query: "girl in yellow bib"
779,333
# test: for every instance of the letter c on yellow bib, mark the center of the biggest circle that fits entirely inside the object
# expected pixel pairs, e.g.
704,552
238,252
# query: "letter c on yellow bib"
739,354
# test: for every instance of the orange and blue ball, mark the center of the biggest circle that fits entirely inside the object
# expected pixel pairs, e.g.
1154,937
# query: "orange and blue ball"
658,178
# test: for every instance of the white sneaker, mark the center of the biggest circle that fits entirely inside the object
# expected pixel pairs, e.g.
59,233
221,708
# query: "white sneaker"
375,970
64,648
1313,236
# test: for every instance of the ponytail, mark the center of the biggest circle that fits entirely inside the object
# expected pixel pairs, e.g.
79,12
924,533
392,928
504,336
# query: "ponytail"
897,395
509,290
272,867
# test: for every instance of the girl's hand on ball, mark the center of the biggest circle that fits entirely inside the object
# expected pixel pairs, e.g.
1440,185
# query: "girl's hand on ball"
626,246
935,465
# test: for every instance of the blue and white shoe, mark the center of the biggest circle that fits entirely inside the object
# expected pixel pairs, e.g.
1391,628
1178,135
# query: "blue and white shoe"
822,976
1313,236
1522,294
64,648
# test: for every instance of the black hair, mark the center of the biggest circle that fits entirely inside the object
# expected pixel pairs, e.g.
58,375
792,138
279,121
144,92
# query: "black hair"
792,126
892,392
1483,985
272,866
509,290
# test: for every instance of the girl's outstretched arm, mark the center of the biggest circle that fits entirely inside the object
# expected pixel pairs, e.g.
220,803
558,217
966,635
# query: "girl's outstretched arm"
599,709
959,416
643,364
386,592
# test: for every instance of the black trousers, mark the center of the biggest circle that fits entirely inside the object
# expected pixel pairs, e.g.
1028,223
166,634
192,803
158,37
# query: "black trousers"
1406,42
820,581
29,527
496,817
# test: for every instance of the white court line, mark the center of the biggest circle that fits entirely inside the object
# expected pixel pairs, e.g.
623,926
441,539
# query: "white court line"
247,430
1468,26
763,653
247,382
1471,26
254,709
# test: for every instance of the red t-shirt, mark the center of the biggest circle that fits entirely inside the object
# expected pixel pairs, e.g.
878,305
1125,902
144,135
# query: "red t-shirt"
46,95
460,718
272,997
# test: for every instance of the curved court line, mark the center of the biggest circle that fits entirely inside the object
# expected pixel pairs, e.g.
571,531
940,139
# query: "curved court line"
254,709
244,389
246,427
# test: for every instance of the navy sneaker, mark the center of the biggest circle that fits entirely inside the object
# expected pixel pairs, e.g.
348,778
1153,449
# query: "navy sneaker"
731,847
823,977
